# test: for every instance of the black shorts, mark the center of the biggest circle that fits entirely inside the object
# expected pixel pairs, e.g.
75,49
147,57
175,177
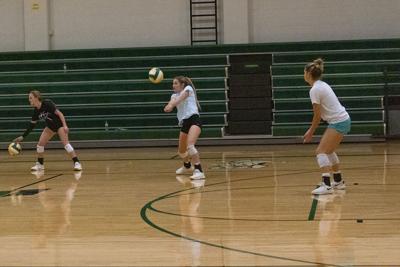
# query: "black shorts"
189,122
54,126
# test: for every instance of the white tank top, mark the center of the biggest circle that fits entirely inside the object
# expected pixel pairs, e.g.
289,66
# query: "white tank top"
187,107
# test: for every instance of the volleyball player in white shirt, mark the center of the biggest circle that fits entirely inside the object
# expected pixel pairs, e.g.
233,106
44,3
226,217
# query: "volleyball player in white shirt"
326,106
185,100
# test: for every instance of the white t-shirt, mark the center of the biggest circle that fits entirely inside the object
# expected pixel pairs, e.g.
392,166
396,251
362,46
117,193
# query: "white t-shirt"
331,109
187,107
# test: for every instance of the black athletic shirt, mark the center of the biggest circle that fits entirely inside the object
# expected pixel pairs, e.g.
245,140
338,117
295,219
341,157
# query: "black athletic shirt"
47,113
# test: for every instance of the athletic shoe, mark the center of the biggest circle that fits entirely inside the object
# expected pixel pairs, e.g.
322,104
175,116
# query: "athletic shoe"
339,185
37,167
322,189
184,170
197,175
77,166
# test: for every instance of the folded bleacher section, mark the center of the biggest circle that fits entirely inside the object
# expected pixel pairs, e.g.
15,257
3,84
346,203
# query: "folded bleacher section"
356,75
105,94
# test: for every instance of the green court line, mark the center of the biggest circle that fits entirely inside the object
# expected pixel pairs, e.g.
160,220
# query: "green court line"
8,193
313,209
146,219
148,207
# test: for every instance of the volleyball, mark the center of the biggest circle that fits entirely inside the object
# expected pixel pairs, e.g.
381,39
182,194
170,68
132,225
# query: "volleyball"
156,75
14,149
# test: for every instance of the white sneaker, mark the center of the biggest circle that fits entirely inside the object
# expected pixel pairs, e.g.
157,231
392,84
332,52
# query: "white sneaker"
37,167
77,166
184,170
339,185
197,175
323,189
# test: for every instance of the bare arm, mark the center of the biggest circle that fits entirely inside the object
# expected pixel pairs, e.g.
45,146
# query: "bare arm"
316,118
32,125
62,118
314,124
176,101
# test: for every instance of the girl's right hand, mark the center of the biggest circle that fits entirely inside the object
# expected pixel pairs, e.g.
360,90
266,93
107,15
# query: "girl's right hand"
168,108
19,139
307,137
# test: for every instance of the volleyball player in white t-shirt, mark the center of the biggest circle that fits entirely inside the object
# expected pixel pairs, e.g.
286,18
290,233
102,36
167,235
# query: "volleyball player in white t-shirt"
185,100
326,106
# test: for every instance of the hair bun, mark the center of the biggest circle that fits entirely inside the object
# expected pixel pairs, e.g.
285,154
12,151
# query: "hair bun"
319,62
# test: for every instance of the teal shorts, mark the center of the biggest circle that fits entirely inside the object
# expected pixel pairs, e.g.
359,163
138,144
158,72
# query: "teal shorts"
342,127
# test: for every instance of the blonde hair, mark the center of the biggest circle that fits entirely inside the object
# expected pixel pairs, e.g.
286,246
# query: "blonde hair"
315,68
187,81
36,94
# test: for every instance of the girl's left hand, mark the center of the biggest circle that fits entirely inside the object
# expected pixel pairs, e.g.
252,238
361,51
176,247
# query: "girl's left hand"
308,136
66,129
168,108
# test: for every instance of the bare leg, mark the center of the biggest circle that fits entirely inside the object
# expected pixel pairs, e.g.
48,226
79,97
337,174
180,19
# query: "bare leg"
328,144
192,137
182,149
325,157
64,139
45,137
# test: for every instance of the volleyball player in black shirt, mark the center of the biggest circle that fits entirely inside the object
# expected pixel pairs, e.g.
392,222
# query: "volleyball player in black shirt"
55,124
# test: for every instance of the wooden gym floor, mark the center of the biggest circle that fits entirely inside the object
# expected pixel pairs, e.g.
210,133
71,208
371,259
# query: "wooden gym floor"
128,208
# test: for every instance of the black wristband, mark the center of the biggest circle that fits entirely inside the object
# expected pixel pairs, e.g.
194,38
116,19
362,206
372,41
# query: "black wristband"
29,129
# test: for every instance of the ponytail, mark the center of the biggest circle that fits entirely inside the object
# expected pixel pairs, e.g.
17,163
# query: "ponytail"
187,81
315,68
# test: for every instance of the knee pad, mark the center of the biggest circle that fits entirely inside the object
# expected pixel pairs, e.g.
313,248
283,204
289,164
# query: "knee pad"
323,160
183,155
39,149
69,148
192,150
333,158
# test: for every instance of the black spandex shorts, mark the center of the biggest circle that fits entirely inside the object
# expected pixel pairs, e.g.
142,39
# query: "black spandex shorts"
189,122
54,126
